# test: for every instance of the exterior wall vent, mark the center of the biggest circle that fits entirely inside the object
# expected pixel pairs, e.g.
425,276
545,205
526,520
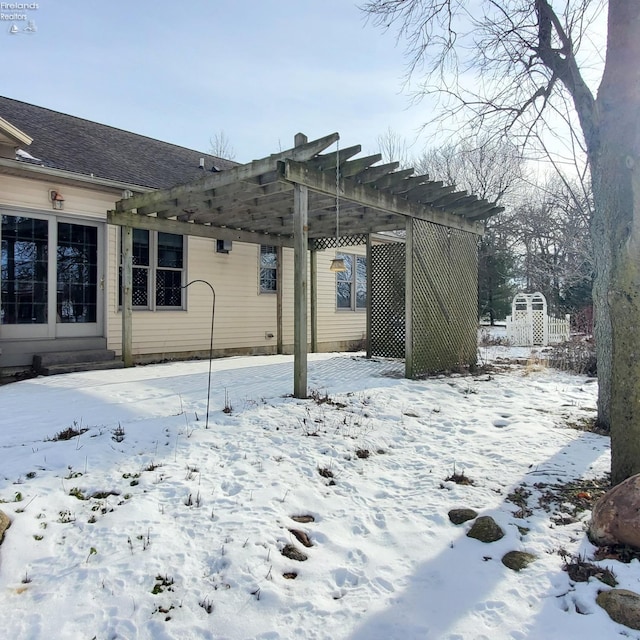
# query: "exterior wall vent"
223,246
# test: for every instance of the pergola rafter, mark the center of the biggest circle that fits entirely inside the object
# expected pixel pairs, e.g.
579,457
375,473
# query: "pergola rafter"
289,199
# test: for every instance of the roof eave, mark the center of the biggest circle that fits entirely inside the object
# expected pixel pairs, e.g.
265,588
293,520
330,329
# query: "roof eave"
70,176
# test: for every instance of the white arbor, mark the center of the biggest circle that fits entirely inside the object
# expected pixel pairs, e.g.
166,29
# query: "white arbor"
530,325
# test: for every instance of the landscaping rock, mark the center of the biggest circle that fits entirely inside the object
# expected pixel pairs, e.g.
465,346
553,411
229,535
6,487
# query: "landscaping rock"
303,518
289,551
301,537
518,560
485,529
458,516
616,516
5,523
623,606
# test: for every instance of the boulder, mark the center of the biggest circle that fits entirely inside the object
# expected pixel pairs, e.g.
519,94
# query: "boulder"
517,560
5,523
485,529
623,606
616,516
458,516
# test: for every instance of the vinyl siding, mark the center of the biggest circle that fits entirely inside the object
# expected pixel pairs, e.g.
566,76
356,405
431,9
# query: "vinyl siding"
242,315
337,325
27,193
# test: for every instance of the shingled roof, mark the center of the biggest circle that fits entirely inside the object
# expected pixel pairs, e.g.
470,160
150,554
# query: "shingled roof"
61,141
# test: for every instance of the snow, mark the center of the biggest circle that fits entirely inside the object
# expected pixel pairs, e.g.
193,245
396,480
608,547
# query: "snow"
200,516
21,154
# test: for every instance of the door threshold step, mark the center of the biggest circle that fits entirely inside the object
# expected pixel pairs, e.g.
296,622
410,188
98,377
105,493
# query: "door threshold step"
74,367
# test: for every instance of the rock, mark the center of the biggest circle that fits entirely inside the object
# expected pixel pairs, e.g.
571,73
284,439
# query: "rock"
303,519
623,606
301,537
289,551
5,523
616,515
518,560
485,529
458,516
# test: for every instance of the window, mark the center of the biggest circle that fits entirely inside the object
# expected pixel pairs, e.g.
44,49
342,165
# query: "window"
24,275
268,269
77,269
158,270
351,285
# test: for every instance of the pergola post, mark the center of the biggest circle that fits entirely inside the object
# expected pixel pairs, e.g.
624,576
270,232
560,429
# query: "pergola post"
408,300
279,292
300,244
313,276
127,296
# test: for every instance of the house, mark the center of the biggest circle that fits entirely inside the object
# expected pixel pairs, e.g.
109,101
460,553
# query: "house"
104,232
59,175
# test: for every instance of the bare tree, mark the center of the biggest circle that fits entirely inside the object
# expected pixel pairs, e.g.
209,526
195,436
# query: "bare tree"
528,56
489,169
556,249
220,146
394,148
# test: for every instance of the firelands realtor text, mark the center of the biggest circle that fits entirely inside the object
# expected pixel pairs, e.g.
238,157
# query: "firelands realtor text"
16,6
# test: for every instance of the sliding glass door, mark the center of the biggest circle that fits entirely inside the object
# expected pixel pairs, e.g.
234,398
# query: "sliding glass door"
50,277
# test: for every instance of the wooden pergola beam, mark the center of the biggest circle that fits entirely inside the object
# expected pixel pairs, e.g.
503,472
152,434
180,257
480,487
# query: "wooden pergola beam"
214,180
299,173
353,167
128,219
374,173
406,185
329,160
392,179
449,199
428,192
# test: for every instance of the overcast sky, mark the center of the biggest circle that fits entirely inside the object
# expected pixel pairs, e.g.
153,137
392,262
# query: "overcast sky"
258,70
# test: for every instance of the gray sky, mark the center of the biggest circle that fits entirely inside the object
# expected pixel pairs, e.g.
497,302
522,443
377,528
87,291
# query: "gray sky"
182,71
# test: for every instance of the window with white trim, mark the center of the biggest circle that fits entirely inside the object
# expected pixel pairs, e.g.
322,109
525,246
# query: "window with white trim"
351,285
158,270
268,269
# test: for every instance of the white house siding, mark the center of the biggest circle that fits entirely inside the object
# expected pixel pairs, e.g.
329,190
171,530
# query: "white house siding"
25,193
243,316
335,327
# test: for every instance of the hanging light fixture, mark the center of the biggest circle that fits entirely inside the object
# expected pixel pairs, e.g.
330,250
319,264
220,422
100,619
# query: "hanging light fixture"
337,264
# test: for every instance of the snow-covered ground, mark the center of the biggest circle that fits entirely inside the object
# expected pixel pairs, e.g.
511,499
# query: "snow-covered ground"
149,525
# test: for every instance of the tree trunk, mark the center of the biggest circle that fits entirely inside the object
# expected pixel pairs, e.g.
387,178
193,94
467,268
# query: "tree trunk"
614,154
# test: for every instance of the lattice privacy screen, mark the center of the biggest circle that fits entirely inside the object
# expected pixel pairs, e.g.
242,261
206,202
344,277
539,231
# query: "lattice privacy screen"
445,283
445,298
387,300
343,241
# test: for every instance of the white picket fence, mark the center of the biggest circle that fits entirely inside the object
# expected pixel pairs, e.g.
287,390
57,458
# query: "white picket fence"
529,324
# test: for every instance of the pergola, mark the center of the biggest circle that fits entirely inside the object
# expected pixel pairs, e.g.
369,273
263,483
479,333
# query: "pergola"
289,199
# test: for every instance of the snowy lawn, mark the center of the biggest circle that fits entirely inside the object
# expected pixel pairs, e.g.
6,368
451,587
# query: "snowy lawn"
148,525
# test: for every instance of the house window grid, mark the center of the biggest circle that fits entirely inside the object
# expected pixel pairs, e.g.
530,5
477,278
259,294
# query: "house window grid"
268,269
149,275
351,285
